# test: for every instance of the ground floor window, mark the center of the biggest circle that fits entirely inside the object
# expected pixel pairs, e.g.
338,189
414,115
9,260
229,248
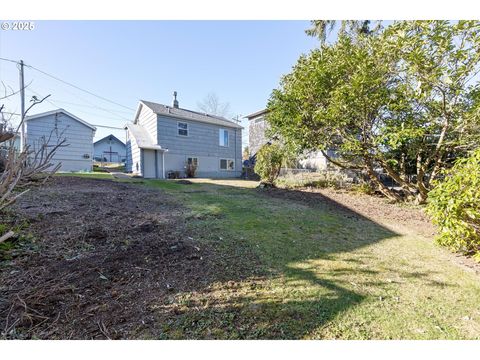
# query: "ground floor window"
227,164
193,161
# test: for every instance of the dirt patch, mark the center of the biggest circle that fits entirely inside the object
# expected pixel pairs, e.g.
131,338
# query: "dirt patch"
105,252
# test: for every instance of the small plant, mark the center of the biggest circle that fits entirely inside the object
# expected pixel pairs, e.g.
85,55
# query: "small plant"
318,179
454,205
190,170
363,188
269,162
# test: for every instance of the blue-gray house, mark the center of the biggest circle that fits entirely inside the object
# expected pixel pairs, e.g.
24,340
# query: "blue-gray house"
165,139
110,149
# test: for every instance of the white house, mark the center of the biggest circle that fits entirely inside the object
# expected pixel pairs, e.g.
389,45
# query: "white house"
55,125
164,139
109,149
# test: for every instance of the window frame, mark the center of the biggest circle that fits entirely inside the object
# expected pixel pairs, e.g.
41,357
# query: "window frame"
193,157
220,137
227,168
179,128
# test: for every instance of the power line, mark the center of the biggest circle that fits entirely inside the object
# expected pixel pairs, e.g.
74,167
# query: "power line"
117,117
10,60
108,127
98,107
79,88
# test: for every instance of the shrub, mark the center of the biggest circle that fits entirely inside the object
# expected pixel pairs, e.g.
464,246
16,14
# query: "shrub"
269,162
190,170
364,188
454,205
316,179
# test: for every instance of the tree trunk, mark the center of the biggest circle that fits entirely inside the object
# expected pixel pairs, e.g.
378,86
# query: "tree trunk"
383,189
422,190
406,186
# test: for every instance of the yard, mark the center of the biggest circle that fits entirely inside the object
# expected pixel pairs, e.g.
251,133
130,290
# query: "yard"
158,259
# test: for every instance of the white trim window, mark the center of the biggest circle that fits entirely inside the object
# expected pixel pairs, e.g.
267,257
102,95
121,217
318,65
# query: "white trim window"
192,160
227,164
182,128
223,137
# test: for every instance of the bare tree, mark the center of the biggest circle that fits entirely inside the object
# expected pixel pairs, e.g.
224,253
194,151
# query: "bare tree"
23,166
211,104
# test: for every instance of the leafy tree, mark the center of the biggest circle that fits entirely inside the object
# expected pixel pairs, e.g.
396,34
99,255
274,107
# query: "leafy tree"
454,205
322,28
269,162
401,101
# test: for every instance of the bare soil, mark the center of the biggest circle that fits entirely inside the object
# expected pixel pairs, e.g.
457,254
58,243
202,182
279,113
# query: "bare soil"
102,253
104,256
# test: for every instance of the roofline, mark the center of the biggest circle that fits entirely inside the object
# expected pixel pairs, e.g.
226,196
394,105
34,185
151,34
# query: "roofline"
140,103
52,112
107,137
255,114
232,125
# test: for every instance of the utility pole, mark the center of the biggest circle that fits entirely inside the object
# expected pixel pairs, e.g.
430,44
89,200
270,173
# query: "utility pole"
22,108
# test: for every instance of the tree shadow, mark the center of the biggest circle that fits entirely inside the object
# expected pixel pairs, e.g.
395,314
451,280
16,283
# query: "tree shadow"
302,298
211,261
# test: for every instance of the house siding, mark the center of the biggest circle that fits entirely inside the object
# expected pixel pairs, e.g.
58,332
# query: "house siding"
102,148
202,142
133,156
79,138
256,134
148,119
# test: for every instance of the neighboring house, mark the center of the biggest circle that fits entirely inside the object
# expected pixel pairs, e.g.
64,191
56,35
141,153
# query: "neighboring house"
257,126
165,139
110,149
53,126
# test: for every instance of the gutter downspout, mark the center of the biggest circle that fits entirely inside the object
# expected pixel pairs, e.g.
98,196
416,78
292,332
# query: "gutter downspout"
163,163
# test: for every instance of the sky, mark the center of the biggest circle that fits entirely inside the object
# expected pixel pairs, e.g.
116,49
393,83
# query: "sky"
125,61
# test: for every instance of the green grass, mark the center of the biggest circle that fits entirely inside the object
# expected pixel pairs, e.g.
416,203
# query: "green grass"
90,175
325,275
293,270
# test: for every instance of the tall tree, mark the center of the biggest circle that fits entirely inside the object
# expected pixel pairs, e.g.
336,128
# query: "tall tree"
322,28
401,100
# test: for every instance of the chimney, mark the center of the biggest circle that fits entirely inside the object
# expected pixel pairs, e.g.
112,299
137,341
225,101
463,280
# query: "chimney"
175,101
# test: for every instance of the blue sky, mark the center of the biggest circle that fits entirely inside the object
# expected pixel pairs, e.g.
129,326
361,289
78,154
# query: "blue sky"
240,61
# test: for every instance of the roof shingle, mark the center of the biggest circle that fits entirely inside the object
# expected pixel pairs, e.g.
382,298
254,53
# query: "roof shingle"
161,109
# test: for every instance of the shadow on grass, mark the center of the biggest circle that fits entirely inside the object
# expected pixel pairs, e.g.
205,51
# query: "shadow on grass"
265,285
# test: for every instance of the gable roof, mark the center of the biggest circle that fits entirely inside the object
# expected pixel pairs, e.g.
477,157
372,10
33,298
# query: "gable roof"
53,112
256,114
185,114
111,135
142,137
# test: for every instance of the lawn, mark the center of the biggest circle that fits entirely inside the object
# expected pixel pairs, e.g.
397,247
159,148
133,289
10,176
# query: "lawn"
272,265
320,272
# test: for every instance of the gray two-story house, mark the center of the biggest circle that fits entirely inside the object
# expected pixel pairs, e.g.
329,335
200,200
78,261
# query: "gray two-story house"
164,139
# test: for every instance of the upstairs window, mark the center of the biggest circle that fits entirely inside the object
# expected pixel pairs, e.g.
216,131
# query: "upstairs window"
223,137
182,129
